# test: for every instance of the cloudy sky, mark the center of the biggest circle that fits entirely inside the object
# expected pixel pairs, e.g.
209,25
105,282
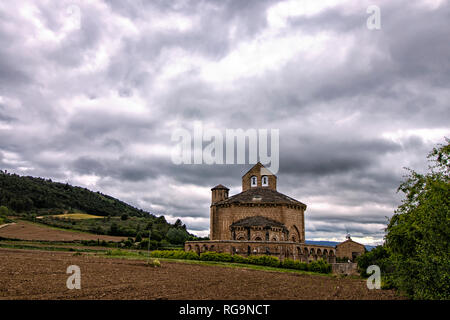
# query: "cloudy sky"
91,92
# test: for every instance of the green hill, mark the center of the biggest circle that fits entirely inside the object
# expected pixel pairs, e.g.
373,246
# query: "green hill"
26,194
42,200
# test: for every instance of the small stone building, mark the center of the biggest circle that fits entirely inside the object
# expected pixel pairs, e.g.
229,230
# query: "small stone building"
259,220
349,249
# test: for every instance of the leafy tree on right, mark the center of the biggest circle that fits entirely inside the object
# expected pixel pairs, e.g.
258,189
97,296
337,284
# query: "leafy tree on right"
418,234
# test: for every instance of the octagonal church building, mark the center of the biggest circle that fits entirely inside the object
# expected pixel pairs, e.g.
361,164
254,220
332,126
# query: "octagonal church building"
259,221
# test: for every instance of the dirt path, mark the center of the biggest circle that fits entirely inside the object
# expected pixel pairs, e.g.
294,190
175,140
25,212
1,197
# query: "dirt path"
6,224
30,231
28,274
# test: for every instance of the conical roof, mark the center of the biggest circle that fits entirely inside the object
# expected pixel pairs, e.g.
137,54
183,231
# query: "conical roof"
220,187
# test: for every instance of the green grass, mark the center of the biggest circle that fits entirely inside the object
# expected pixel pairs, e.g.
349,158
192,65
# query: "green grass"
77,216
44,243
142,255
45,248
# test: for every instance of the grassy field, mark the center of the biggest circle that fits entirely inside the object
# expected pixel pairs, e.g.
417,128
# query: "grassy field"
77,216
143,255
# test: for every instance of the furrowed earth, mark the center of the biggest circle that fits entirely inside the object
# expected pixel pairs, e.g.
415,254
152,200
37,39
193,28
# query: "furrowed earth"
25,230
36,274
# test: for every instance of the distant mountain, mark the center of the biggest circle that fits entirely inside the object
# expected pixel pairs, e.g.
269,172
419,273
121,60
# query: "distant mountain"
332,244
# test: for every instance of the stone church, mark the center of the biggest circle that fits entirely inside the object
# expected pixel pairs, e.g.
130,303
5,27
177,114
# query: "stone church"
259,221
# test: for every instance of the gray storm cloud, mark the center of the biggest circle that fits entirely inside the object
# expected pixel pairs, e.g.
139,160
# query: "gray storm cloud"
93,98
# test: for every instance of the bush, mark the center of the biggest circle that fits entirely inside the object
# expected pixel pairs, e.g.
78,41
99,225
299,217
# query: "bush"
174,254
154,263
377,256
3,211
239,259
293,264
128,243
264,261
118,252
319,266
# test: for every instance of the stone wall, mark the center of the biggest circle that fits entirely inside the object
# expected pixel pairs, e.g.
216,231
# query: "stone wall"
222,216
281,250
345,268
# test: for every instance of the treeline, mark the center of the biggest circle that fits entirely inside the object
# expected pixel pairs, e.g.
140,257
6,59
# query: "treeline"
158,229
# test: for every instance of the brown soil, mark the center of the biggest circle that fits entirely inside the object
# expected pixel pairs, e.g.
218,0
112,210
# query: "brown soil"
30,231
28,274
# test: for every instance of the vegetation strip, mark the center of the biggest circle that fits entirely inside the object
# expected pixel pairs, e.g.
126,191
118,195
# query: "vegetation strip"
46,248
225,258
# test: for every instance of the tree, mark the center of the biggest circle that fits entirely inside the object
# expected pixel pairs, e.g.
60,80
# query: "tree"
176,236
124,217
178,223
3,211
418,233
114,229
377,256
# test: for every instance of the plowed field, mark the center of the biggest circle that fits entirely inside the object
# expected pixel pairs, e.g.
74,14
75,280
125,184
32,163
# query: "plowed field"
32,274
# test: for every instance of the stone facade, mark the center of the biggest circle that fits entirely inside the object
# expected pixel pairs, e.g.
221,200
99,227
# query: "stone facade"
349,249
259,220
223,215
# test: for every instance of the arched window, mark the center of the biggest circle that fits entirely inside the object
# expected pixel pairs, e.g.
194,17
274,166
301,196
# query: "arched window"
253,181
265,181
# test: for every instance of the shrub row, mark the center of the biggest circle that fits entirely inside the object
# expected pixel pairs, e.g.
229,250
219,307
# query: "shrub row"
263,260
174,254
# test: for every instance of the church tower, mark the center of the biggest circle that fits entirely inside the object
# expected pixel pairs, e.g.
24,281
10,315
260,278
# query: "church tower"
259,176
219,193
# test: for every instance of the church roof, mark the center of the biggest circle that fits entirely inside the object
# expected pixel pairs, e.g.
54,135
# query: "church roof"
258,221
260,195
219,186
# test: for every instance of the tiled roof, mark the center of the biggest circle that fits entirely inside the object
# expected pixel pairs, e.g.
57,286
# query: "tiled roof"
261,195
259,222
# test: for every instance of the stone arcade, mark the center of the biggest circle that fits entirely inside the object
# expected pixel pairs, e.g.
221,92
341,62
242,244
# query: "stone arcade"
259,221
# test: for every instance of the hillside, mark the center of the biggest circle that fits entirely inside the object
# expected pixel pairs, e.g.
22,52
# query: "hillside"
26,194
44,201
